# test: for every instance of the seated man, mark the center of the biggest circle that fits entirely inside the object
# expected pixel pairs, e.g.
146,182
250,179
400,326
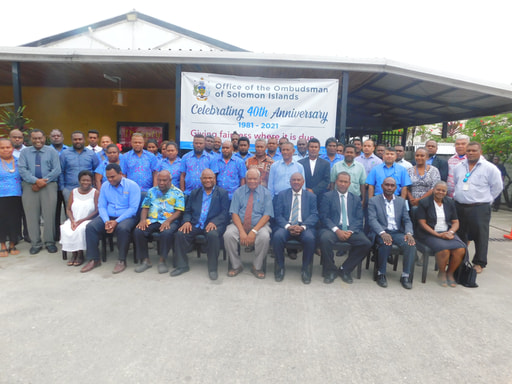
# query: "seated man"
117,206
341,214
389,220
251,210
296,215
206,214
161,210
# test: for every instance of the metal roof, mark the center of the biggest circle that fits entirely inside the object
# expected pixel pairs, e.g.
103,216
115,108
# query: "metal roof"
382,94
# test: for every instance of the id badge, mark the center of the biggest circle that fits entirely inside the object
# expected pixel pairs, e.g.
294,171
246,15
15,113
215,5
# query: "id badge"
466,187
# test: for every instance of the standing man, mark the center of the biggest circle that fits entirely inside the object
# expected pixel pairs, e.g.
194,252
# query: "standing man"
388,169
477,183
140,165
400,153
354,169
231,169
234,139
113,157
16,137
282,170
461,142
243,149
272,151
331,154
359,146
251,210
302,149
39,168
389,220
503,171
208,144
340,148
341,215
296,216
161,210
193,164
105,141
72,161
57,140
261,161
379,151
368,158
93,136
316,170
206,214
117,206
436,161
217,144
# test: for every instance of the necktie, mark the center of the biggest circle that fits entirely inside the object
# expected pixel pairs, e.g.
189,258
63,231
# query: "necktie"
248,213
343,214
38,173
295,210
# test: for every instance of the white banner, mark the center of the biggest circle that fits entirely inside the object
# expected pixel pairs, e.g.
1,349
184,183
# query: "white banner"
256,107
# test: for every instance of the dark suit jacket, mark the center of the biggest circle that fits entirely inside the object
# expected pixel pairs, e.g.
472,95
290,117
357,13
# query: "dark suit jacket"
442,166
218,212
321,178
378,218
427,211
283,208
330,211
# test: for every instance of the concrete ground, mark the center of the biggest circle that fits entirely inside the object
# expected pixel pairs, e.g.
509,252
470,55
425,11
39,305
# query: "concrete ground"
61,326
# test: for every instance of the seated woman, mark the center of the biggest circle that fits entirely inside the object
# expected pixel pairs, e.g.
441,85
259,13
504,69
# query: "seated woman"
82,207
437,224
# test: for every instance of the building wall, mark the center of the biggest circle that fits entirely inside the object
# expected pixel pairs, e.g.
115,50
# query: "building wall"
71,109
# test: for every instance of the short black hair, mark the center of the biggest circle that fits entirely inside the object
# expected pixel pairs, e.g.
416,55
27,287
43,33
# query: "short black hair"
314,140
331,140
113,166
93,131
85,172
243,138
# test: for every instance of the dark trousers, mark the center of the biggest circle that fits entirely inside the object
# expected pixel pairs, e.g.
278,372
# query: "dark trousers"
95,230
474,225
360,247
307,238
185,242
142,238
58,210
408,251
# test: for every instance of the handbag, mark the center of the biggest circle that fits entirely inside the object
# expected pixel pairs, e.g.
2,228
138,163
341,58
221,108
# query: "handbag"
465,275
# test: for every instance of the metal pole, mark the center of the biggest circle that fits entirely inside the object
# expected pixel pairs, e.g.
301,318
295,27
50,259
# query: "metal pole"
16,85
444,132
342,129
177,108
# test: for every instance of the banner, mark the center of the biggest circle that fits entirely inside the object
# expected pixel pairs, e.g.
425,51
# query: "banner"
256,107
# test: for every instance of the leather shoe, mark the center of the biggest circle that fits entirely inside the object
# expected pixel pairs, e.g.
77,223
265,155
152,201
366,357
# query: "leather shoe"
406,282
279,274
382,281
91,264
345,276
306,277
179,271
213,275
292,255
51,248
35,250
330,277
120,267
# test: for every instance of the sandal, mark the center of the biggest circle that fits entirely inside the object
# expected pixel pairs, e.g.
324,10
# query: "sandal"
79,260
234,272
13,251
451,283
4,253
71,262
442,283
258,274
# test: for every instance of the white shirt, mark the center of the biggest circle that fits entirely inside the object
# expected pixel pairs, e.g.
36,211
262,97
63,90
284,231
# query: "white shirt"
96,149
390,212
404,163
312,164
441,225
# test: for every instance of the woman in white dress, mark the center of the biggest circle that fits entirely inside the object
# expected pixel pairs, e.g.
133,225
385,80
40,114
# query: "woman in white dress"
82,207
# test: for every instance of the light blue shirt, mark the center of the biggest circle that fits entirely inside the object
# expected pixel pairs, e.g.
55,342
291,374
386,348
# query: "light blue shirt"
72,162
483,185
140,169
262,203
337,159
121,201
10,182
280,173
50,164
368,162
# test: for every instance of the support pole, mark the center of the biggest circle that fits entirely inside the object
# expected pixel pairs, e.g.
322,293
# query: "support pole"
16,85
177,107
342,128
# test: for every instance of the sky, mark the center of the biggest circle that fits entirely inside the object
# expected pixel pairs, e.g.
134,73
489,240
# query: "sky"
465,38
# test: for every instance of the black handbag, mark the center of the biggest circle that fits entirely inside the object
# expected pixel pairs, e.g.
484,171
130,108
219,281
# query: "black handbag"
465,275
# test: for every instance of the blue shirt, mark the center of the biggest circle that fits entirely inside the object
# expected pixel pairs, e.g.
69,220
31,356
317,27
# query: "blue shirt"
381,171
101,169
368,162
72,163
231,174
248,156
10,182
205,208
64,146
121,201
261,206
277,156
140,169
193,166
174,169
337,158
161,206
50,164
280,173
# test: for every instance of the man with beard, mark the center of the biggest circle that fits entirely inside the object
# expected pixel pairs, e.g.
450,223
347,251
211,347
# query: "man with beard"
57,140
261,161
113,157
231,169
354,169
193,164
243,149
272,151
436,161
72,161
16,137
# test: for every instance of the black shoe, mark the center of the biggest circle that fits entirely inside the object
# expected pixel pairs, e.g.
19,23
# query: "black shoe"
330,277
345,276
179,271
279,274
406,282
213,275
382,281
306,277
35,250
51,248
391,260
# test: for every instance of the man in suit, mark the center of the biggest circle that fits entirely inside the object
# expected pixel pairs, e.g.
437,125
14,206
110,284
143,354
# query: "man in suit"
316,170
296,214
436,161
389,220
206,213
341,214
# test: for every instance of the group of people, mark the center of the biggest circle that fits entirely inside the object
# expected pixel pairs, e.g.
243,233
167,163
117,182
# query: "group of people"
350,197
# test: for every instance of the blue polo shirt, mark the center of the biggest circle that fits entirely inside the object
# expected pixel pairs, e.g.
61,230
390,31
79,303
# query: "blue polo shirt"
121,201
193,166
140,169
380,172
230,174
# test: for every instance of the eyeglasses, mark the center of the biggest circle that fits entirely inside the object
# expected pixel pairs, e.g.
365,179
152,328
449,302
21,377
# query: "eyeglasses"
466,177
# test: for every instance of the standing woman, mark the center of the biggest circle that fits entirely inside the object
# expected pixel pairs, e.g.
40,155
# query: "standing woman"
423,178
10,199
82,207
172,163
